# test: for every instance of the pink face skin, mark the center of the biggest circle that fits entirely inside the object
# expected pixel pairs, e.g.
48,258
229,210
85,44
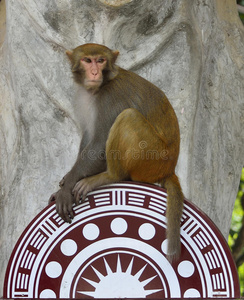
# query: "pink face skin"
93,67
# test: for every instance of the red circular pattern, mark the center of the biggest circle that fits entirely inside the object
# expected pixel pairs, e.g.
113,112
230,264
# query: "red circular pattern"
115,248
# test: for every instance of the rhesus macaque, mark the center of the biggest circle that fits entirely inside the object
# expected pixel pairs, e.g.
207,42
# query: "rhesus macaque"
131,120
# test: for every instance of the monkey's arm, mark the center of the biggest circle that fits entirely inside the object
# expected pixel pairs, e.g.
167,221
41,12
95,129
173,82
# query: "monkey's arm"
90,161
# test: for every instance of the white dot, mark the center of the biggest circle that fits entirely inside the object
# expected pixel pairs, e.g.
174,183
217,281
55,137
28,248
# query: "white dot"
119,226
147,231
68,247
192,293
47,294
91,231
164,246
53,269
186,269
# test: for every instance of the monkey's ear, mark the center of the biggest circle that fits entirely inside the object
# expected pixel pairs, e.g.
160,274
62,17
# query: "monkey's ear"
115,55
69,54
75,63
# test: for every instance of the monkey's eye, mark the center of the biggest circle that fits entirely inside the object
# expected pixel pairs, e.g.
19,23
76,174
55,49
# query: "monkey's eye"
101,60
87,60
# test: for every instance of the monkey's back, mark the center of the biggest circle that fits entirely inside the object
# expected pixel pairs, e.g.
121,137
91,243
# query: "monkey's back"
148,99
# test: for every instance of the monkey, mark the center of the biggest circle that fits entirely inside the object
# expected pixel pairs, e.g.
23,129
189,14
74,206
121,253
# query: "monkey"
129,132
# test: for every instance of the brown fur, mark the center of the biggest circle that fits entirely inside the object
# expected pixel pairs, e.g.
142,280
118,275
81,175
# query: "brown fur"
137,128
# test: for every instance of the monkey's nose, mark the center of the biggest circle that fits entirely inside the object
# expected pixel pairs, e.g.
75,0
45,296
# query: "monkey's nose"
94,72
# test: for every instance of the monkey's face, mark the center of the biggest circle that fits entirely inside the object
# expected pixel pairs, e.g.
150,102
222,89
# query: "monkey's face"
93,70
92,65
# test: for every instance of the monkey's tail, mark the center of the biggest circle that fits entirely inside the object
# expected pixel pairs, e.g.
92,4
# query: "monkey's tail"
175,202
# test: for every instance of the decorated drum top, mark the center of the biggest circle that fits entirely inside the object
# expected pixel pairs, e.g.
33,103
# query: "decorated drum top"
116,248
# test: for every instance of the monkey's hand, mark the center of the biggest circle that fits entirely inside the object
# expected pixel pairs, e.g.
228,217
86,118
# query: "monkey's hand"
64,202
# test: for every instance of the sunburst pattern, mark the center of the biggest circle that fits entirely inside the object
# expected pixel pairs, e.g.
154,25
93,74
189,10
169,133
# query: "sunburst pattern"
119,284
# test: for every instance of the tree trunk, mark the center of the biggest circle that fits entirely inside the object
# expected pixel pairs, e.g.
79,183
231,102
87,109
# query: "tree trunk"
192,50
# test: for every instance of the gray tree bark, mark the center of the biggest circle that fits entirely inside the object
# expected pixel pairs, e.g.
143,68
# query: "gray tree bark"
193,50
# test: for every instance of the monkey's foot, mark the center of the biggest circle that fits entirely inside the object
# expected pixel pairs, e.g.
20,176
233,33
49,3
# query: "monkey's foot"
83,187
86,185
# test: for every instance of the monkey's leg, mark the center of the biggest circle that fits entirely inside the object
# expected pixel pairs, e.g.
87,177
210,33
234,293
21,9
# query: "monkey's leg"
88,184
136,151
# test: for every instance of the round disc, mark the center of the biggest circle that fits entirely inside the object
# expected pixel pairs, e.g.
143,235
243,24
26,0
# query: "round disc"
116,248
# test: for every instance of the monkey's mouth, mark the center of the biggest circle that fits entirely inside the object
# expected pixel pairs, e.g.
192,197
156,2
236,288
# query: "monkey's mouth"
93,84
94,81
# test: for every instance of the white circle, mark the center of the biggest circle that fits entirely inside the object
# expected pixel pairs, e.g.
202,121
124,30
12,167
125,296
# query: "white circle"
68,247
147,231
47,294
192,293
119,226
164,246
91,231
186,269
53,269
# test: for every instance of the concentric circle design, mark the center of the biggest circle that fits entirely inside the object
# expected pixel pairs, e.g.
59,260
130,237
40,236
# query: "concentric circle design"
116,248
